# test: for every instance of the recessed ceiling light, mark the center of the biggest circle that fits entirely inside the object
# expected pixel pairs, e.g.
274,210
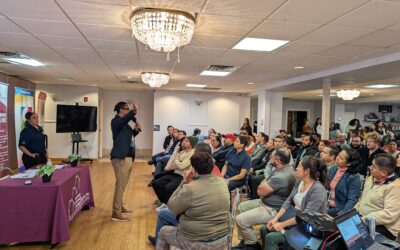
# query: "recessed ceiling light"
25,61
129,77
259,44
250,83
214,73
193,85
381,86
63,78
298,67
330,95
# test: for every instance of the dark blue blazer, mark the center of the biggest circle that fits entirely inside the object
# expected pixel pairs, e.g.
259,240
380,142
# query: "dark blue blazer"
347,191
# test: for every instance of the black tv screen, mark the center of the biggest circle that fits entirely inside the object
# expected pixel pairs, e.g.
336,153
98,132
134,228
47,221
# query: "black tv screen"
72,118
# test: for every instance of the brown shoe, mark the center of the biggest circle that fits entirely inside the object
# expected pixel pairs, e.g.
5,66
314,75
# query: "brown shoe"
125,210
119,216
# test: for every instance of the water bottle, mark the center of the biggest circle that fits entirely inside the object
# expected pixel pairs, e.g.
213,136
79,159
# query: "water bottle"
371,223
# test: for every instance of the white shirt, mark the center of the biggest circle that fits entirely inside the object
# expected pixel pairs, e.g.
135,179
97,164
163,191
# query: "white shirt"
298,198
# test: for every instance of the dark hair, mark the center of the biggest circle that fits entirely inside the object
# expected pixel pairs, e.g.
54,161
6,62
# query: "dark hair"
279,137
243,139
290,141
213,130
28,115
316,167
357,135
334,150
385,162
312,139
170,126
196,131
353,122
391,140
183,131
202,147
218,139
353,160
119,106
266,137
247,122
202,162
283,155
325,142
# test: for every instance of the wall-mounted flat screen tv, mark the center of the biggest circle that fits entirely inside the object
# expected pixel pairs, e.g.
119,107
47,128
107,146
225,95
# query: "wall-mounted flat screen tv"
73,118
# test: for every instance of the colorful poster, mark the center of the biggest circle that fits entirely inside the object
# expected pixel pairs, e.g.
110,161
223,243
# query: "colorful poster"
3,125
40,107
23,103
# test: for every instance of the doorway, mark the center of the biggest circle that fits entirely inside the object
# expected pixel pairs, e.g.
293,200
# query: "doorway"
295,122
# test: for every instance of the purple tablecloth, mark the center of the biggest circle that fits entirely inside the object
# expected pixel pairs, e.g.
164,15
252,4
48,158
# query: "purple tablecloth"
43,211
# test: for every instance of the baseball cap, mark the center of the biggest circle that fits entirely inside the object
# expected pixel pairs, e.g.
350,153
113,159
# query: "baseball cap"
230,136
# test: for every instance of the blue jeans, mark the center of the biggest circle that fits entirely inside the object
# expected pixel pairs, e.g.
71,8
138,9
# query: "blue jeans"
154,157
165,218
161,163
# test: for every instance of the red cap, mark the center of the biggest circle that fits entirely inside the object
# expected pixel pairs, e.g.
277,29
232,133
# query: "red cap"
231,136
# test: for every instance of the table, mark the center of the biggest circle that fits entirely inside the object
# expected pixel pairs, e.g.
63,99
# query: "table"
41,212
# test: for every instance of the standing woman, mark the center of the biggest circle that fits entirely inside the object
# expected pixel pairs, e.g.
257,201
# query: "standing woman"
32,142
318,126
246,126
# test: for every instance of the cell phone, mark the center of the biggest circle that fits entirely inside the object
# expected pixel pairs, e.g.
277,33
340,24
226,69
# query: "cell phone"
313,244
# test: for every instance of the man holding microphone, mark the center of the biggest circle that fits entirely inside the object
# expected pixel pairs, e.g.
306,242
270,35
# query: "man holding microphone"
123,154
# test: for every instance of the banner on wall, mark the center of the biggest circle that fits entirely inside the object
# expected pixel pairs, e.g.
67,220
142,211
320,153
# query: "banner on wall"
23,103
40,107
3,125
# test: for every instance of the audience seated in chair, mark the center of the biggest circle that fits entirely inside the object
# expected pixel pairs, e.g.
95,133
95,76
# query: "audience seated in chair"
165,216
220,155
200,196
328,155
259,148
273,191
165,185
167,145
368,153
345,182
308,147
380,196
162,161
237,165
308,195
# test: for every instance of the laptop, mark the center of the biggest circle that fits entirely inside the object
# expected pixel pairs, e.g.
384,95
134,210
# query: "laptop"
354,233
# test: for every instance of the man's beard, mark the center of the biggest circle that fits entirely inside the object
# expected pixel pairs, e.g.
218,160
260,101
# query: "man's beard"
355,146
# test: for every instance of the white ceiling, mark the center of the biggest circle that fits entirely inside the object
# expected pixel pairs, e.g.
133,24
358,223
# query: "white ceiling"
91,42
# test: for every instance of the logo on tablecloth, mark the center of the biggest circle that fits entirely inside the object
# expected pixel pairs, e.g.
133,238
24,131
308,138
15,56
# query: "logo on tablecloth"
77,200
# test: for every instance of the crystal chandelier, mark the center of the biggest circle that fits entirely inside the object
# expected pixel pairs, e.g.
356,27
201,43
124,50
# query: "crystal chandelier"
348,94
155,80
162,30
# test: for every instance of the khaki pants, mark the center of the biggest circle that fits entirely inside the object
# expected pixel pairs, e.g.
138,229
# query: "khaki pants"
252,212
169,236
122,170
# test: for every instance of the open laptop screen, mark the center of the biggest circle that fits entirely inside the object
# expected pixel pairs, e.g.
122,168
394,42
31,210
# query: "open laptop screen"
351,228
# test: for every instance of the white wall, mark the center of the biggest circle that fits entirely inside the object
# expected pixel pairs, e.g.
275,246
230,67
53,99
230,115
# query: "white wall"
144,116
224,113
60,145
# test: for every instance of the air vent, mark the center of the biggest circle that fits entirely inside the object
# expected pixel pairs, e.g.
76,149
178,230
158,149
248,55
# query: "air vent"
211,88
219,70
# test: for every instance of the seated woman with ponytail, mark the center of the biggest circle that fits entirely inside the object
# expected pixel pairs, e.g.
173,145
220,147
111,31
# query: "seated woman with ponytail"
308,195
